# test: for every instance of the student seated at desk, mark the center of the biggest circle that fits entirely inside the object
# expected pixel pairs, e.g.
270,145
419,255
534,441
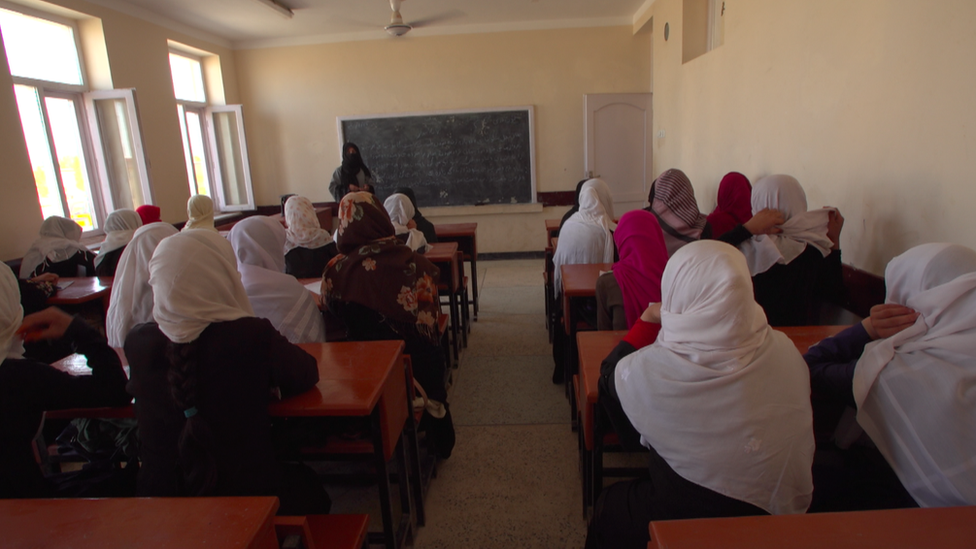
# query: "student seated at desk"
569,213
199,213
149,214
202,375
909,370
308,247
258,242
58,250
672,201
721,400
119,228
29,387
734,204
131,302
795,271
400,209
382,290
622,295
423,224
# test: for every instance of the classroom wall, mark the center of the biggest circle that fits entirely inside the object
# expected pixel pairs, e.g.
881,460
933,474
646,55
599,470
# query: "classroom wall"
138,57
293,95
869,104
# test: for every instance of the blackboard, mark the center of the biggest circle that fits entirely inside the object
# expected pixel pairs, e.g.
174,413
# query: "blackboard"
449,158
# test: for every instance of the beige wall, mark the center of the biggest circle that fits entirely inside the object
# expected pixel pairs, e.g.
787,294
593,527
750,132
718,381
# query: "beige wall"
138,57
292,97
869,104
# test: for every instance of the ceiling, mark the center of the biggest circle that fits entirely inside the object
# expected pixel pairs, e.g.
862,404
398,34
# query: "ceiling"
252,24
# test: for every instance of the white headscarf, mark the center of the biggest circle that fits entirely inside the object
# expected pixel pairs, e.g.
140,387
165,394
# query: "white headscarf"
11,315
603,194
802,227
60,239
119,227
722,397
585,238
401,211
132,298
274,295
195,282
304,229
200,211
914,390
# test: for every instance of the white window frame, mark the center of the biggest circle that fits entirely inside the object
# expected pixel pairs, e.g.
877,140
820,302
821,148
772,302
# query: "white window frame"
100,184
128,95
216,180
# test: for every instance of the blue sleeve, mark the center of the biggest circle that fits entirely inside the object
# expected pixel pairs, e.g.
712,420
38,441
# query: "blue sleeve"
832,362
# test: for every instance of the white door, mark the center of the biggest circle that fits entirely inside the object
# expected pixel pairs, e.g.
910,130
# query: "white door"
617,130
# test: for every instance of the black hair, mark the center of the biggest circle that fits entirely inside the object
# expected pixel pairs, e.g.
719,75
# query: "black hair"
196,445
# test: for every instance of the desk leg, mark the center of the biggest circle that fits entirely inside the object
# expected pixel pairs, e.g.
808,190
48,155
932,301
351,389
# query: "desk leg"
570,360
455,320
474,276
388,537
416,470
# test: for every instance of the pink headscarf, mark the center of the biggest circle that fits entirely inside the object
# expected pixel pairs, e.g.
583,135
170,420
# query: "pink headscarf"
148,213
734,204
643,255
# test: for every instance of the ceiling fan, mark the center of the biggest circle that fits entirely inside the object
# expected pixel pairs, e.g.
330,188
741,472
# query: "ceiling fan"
398,28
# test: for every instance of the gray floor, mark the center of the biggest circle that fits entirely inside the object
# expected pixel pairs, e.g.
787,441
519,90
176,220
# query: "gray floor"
513,480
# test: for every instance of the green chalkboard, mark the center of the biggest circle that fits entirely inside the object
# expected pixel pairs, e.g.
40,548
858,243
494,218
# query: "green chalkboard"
449,158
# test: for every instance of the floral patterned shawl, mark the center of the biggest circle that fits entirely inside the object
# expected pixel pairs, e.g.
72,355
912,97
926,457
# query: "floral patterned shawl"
374,270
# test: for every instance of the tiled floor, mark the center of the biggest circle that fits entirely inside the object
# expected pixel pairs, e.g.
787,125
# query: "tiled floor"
513,480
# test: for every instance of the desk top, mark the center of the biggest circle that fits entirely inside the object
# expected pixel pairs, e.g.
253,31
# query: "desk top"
189,523
580,280
82,290
945,528
553,224
352,375
455,229
442,252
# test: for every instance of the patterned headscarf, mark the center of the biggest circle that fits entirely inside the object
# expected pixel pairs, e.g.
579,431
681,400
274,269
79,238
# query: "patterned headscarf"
374,270
304,230
673,202
734,204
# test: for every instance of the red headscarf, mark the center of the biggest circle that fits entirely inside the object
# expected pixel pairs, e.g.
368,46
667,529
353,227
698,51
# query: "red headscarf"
643,255
148,213
734,204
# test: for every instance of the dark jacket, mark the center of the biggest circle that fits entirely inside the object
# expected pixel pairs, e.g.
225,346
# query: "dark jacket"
309,262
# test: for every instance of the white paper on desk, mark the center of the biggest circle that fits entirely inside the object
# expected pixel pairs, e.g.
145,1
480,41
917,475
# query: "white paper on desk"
314,287
62,284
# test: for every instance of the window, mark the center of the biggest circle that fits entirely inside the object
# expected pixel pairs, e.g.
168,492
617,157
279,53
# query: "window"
703,27
85,148
213,138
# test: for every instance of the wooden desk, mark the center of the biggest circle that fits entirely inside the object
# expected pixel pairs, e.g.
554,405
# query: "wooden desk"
444,255
578,282
465,234
552,227
147,523
944,528
82,290
593,348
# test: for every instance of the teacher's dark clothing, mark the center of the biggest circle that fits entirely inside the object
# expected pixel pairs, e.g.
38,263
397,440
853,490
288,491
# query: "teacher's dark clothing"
240,363
28,388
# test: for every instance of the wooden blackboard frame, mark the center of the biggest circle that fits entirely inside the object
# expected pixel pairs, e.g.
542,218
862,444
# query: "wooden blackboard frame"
528,109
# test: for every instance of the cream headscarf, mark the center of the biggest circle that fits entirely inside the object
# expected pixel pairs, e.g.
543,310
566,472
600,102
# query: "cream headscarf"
132,298
722,397
304,229
195,282
274,295
914,390
11,315
606,200
119,228
802,227
60,239
585,238
401,211
200,211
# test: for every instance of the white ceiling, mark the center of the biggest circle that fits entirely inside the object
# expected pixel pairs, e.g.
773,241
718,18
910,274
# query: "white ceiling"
251,24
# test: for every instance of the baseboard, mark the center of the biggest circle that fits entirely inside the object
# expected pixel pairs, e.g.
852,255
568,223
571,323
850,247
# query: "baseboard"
511,255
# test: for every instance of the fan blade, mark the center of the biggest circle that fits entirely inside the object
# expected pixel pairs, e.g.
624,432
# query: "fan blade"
440,18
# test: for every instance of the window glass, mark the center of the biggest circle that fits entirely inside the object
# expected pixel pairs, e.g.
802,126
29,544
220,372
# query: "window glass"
63,116
187,78
32,120
119,151
198,152
230,155
40,49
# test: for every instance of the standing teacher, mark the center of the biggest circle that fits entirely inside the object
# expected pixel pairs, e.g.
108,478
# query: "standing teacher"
352,175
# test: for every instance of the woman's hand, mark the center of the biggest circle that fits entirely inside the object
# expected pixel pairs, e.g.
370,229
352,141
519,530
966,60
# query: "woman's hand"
652,313
51,323
765,222
46,277
835,223
411,224
888,319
